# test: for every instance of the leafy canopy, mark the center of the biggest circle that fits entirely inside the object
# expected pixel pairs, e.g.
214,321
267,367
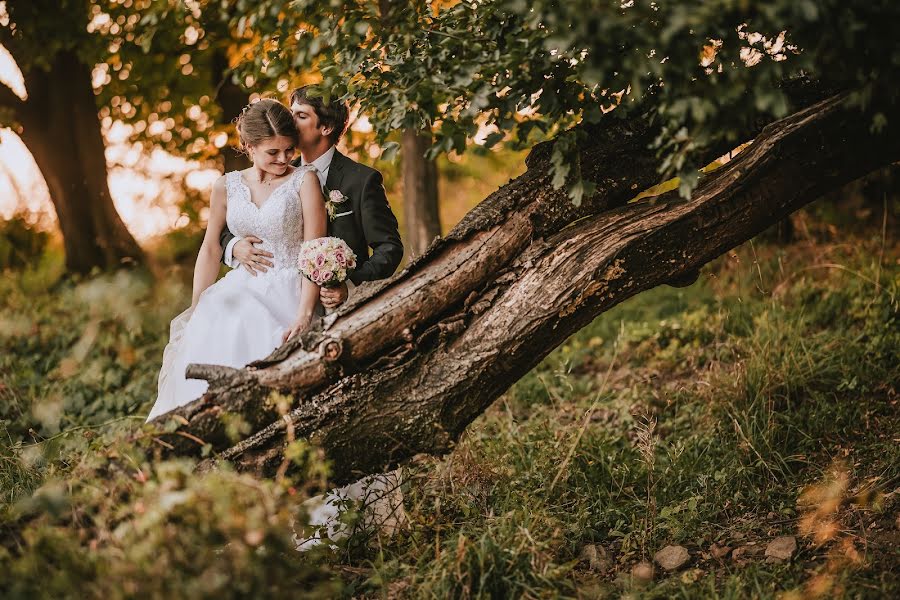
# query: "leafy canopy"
522,71
532,69
156,65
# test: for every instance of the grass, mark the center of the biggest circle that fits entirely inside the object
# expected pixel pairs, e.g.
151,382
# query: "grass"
756,381
759,402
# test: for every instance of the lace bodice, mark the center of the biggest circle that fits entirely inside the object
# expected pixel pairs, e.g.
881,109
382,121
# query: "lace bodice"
278,222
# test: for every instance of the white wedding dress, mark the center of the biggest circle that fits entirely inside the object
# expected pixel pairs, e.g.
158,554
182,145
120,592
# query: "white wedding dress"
239,318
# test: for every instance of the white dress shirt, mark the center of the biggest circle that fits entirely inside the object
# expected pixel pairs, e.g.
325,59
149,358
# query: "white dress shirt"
322,164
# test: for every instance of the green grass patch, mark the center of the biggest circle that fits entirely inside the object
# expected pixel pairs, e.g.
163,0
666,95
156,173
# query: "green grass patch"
692,416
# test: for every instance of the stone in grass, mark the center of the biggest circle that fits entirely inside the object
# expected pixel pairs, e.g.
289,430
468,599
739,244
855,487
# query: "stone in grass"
642,572
781,548
596,558
672,558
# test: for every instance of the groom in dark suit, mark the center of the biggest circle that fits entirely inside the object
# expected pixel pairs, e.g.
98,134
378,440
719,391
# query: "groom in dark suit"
359,212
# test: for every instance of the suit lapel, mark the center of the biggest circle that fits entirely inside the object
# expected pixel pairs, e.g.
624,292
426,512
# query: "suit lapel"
335,171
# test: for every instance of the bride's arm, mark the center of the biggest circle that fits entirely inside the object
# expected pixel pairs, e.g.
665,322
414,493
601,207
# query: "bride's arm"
207,267
314,226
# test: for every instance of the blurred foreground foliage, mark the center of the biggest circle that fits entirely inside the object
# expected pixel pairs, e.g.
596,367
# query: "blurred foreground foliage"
761,401
85,509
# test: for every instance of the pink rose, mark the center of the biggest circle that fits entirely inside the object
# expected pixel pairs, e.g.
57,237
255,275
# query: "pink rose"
320,260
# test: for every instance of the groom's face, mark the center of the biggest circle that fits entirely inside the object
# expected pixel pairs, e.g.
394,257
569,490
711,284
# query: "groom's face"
311,132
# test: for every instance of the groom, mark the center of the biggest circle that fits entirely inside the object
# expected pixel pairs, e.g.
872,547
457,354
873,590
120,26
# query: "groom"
361,215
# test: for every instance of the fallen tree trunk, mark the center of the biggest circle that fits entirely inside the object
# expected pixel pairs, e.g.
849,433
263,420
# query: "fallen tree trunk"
406,367
389,316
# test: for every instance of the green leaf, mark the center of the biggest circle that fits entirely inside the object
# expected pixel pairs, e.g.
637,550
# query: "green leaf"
579,189
687,184
493,139
389,151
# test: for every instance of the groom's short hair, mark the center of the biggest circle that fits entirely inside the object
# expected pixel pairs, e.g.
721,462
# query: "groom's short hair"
335,114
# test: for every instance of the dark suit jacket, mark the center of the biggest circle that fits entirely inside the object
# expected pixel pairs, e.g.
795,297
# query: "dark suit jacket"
370,224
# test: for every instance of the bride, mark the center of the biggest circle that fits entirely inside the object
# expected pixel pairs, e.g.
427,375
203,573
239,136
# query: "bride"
242,317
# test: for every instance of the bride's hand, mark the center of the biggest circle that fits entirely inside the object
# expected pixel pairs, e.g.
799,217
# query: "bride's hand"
299,325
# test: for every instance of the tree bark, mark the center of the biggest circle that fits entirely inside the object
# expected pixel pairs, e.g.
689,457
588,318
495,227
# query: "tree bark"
61,129
420,192
409,363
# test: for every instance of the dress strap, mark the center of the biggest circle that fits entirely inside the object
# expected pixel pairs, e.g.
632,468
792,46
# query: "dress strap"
299,173
232,184
304,169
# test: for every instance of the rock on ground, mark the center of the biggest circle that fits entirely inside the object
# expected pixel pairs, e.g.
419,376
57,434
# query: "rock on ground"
782,548
643,572
671,558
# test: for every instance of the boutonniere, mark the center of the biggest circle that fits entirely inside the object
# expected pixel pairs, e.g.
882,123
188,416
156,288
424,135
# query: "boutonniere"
335,199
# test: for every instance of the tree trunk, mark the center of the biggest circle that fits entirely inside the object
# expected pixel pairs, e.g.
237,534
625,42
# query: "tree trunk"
62,131
410,362
420,175
420,192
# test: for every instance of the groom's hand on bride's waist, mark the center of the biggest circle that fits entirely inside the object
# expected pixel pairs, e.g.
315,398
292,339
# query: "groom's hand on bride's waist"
252,258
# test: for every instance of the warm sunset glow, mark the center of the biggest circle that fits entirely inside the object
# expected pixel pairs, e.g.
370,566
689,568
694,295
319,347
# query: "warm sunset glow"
22,189
139,184
360,123
10,75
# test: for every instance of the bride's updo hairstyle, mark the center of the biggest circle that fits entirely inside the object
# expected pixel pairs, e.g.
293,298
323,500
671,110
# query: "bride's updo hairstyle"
265,119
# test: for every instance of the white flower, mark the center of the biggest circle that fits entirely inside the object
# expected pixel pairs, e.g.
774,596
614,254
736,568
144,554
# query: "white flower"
336,196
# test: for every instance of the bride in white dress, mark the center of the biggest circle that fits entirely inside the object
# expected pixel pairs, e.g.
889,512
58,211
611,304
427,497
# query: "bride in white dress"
243,317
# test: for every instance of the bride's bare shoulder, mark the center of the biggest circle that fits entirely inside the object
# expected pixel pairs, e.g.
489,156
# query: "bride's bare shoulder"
218,190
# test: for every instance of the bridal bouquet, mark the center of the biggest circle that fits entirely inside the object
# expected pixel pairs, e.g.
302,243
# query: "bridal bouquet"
325,261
